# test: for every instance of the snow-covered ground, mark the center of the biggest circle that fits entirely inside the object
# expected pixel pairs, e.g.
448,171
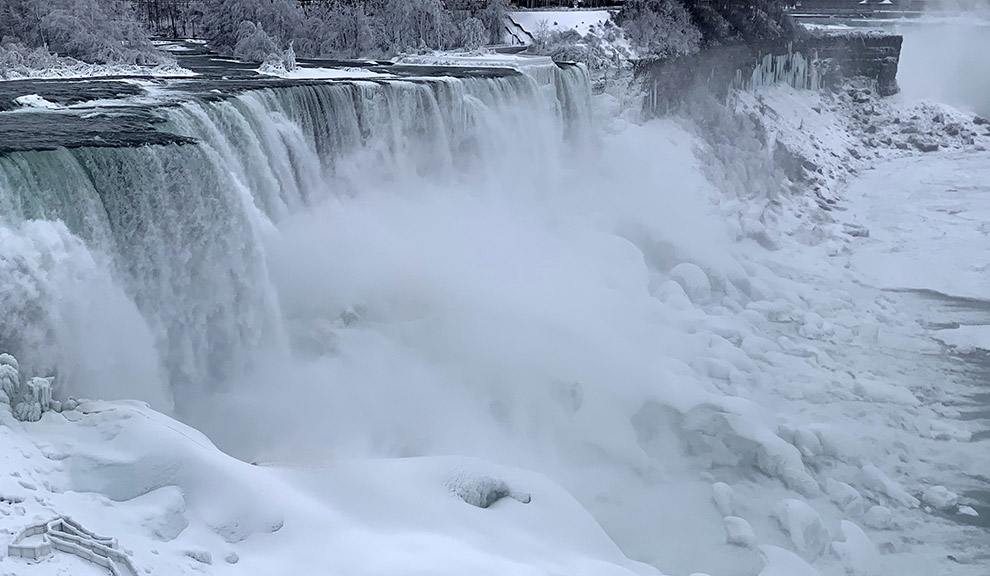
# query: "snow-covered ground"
311,73
581,21
639,361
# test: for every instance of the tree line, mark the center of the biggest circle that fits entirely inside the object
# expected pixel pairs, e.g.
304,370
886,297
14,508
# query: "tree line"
107,31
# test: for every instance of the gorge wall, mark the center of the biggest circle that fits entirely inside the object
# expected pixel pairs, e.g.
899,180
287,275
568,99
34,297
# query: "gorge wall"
811,63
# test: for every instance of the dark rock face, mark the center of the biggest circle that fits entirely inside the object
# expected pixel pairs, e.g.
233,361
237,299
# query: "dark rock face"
811,63
870,56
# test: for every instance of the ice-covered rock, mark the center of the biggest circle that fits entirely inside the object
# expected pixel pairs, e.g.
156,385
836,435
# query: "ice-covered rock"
847,498
35,400
780,562
940,498
739,532
968,511
803,525
695,282
722,496
200,555
879,517
857,553
483,491
875,480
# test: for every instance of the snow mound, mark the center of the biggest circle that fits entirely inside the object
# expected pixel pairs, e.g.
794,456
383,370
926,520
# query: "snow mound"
739,532
471,60
302,73
780,562
805,528
35,101
856,552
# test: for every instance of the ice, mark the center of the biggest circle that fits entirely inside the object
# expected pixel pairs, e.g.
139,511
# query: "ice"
856,552
10,380
309,73
968,511
780,562
875,480
35,101
879,517
694,281
966,339
940,498
846,497
803,525
739,532
723,496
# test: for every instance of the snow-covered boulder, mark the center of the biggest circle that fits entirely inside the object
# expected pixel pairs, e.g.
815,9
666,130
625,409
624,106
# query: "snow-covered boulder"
875,480
857,553
780,562
723,496
483,491
847,498
879,517
940,498
805,528
695,282
739,532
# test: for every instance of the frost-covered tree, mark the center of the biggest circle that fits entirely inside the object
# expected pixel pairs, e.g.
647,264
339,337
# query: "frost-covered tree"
493,15
97,31
10,380
221,22
727,21
659,28
474,33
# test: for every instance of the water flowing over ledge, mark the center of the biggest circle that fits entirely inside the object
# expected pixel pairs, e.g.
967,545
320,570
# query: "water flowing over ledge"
169,238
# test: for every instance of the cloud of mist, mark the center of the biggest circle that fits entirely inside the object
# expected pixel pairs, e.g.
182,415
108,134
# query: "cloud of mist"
946,60
493,314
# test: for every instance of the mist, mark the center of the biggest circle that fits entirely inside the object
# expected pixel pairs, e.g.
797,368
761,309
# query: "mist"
946,61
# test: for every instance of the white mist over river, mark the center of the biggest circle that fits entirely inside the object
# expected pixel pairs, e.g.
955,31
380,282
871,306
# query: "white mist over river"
390,293
946,61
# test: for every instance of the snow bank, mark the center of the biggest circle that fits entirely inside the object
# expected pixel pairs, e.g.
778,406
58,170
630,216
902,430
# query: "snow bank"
35,101
75,69
518,61
581,21
306,73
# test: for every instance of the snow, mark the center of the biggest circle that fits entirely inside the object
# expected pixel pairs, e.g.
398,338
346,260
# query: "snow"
76,70
805,528
307,73
581,21
780,562
856,552
965,339
35,101
493,60
739,532
940,498
643,386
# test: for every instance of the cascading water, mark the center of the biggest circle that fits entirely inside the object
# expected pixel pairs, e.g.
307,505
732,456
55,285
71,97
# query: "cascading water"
171,239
